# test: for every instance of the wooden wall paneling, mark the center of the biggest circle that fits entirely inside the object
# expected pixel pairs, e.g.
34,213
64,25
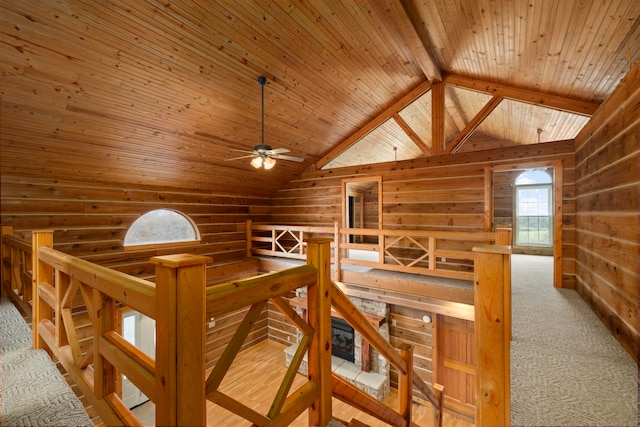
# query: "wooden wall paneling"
606,212
407,327
90,220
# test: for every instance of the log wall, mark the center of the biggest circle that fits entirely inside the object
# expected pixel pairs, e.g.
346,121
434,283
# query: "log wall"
90,220
434,193
607,212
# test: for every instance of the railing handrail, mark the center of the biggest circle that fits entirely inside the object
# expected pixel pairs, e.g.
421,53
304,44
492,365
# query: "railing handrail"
17,243
480,236
307,228
136,293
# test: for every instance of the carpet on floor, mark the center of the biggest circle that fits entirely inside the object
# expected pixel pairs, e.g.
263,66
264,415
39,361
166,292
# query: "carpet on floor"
32,390
566,367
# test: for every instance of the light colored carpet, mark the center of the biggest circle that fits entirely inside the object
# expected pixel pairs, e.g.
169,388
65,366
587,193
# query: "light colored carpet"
566,368
32,390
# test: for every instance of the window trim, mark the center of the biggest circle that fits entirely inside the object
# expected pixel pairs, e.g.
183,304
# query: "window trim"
161,245
516,211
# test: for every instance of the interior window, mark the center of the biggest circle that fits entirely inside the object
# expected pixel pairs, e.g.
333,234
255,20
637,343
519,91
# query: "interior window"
534,209
161,227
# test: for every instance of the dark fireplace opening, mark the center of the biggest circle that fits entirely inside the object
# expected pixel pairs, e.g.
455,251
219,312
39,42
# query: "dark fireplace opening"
342,339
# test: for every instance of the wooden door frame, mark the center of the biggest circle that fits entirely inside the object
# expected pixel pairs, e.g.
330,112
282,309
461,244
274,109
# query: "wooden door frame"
345,192
557,205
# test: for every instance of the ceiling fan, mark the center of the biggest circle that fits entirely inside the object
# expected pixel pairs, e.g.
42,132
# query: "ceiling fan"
264,155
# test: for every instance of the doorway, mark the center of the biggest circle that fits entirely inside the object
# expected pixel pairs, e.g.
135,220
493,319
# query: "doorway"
362,207
501,197
140,331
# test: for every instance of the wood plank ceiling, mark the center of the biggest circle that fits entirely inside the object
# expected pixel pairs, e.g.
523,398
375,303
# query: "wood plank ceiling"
160,93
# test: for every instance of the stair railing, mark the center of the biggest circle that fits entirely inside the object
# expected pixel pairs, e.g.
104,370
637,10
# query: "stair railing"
16,271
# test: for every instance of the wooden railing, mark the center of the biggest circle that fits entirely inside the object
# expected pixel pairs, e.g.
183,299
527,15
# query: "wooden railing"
435,253
16,271
284,241
69,289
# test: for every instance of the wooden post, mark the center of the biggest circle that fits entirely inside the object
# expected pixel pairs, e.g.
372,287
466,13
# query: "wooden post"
5,273
249,234
438,392
104,376
336,253
319,317
180,344
491,337
437,118
41,273
405,384
503,237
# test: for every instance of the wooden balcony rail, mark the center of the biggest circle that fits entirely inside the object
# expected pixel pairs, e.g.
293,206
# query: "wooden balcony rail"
17,271
284,241
435,253
69,288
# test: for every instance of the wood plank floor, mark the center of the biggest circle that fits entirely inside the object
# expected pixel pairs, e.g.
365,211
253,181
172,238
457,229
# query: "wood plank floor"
254,378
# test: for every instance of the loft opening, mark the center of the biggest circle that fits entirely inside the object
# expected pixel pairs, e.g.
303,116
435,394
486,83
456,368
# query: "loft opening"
160,228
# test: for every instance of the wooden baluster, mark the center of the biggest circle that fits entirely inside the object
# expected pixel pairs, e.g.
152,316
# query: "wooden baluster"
319,317
62,285
432,253
491,337
41,273
438,391
405,384
5,274
249,234
274,238
180,344
104,373
336,254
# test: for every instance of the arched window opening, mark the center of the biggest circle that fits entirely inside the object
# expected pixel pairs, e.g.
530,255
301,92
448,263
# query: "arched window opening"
534,208
161,227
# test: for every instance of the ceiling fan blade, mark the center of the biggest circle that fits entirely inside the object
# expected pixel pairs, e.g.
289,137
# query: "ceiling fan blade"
241,157
243,151
278,151
291,158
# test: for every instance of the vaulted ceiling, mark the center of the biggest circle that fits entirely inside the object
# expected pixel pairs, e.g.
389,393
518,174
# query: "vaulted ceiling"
162,93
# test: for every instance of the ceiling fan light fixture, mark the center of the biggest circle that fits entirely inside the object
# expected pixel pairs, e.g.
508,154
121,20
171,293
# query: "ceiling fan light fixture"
256,162
268,163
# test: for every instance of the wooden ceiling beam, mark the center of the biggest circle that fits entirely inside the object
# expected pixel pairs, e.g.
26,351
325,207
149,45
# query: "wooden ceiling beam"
377,121
407,21
437,118
411,134
473,124
555,102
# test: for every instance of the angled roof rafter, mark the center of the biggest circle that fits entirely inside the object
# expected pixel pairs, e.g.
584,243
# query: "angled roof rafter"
373,124
465,133
555,102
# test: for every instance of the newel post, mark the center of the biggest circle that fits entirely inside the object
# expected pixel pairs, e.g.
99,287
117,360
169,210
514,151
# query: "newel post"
180,343
503,237
492,335
319,317
41,273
